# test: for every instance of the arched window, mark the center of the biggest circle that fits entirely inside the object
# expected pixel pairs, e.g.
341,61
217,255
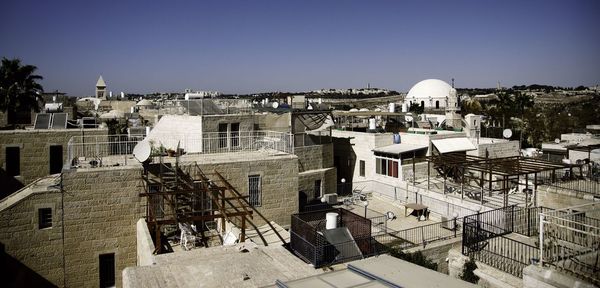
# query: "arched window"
437,104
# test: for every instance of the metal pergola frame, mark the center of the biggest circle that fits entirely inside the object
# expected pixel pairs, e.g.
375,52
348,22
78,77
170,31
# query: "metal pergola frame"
491,170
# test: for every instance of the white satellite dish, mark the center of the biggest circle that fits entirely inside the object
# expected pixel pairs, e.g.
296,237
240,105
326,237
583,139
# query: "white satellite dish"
275,105
142,150
507,133
557,141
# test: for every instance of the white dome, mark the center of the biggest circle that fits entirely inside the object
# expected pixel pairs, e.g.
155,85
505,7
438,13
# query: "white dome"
430,88
429,91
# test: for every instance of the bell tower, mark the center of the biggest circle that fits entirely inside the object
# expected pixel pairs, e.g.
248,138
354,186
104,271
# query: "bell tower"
101,88
453,118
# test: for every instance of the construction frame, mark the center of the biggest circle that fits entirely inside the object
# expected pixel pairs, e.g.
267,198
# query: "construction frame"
183,194
494,175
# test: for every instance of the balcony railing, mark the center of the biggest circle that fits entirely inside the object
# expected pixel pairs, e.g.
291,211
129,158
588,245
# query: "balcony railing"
96,149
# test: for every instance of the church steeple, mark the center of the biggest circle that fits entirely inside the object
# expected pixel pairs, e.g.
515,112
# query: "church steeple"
100,88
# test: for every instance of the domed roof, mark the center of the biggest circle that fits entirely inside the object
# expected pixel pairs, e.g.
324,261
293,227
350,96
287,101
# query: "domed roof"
144,102
434,88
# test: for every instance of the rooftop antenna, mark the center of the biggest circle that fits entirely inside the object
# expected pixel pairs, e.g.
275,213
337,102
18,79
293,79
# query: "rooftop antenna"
452,82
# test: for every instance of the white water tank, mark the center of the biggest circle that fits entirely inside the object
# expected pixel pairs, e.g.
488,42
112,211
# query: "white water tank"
372,125
404,107
392,107
331,220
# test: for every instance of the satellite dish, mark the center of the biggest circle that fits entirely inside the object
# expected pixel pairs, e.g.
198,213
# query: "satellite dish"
507,133
557,141
275,105
142,150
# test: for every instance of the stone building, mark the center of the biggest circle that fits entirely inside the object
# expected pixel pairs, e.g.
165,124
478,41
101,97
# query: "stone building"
80,225
30,154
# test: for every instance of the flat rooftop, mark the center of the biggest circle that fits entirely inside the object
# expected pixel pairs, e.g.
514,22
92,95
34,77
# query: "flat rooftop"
230,157
241,265
381,271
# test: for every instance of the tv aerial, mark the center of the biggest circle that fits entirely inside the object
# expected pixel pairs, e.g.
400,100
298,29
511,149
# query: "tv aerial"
507,133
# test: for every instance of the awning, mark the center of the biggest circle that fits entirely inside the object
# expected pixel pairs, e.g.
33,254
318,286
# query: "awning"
398,149
453,145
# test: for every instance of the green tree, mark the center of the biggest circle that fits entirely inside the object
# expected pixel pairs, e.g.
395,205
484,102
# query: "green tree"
471,105
416,108
468,274
19,87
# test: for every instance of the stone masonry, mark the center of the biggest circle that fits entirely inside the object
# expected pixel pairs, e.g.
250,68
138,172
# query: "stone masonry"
34,146
39,249
101,208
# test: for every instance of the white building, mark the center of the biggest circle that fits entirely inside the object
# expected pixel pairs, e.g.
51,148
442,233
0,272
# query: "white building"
430,93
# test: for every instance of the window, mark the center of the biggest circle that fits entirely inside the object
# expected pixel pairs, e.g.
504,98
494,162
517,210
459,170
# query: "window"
107,270
204,202
362,168
235,134
387,167
13,161
254,190
222,135
44,218
317,190
156,201
437,104
422,103
56,159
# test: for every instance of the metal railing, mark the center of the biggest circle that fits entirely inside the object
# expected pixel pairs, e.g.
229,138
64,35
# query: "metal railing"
484,237
505,254
96,148
570,241
99,146
422,235
405,195
584,178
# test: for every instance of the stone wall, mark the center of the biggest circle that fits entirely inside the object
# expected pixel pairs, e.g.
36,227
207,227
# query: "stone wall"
306,182
438,252
497,150
34,146
279,183
353,147
314,157
210,124
101,208
38,249
145,244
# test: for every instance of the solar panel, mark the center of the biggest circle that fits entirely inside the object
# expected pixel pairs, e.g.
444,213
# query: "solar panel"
59,120
42,121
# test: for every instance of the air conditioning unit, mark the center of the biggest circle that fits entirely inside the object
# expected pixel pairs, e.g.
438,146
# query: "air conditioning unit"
330,199
448,223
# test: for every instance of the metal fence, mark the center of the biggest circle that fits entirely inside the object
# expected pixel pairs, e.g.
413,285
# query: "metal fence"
583,178
421,236
408,194
484,237
95,148
308,242
98,147
570,241
505,254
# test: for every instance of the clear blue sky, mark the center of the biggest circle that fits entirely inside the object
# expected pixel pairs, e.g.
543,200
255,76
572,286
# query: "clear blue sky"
254,46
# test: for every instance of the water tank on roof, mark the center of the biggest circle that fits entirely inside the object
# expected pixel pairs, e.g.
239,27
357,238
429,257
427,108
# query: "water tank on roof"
372,125
331,220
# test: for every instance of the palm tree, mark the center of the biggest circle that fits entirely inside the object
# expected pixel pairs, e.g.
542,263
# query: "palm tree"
19,90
